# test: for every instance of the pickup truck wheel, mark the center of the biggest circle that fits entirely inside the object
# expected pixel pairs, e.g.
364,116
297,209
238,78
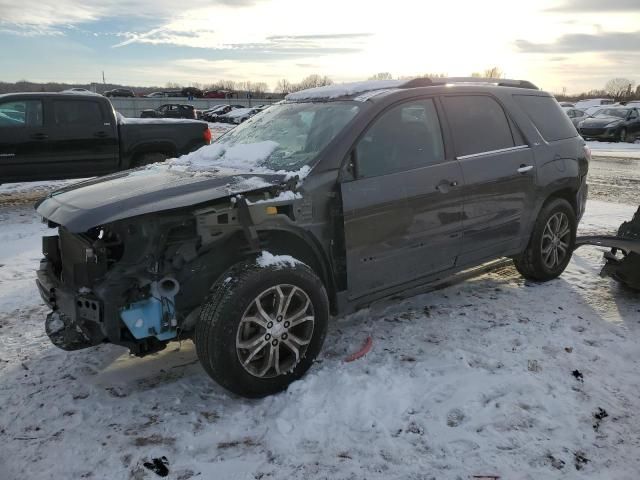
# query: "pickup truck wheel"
262,327
149,158
551,244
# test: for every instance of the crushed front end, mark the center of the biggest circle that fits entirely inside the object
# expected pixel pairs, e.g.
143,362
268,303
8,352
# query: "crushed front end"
108,285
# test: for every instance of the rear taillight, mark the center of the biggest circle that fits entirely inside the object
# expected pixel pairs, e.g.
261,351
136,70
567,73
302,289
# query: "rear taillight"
207,135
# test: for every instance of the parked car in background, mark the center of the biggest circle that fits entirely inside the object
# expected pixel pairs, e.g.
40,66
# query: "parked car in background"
575,115
331,200
215,94
206,114
45,136
243,114
171,110
156,95
191,92
119,92
219,116
76,90
566,104
618,124
592,102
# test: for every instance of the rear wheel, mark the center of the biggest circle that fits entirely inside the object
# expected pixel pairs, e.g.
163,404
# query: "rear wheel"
262,327
551,244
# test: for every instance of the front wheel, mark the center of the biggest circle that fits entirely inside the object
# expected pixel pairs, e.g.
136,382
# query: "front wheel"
551,244
262,326
622,136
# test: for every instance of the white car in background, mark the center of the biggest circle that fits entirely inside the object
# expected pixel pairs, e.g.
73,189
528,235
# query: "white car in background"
576,115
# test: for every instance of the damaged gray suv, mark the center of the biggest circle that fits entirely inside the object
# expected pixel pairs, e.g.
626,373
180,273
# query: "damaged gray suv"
318,206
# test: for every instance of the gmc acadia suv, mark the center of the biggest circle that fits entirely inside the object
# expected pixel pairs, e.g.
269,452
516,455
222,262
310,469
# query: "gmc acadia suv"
323,203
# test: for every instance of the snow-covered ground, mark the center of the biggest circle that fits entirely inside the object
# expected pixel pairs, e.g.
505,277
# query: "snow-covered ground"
615,149
495,376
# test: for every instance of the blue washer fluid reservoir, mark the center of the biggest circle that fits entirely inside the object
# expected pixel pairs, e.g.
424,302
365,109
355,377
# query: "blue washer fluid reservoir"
145,318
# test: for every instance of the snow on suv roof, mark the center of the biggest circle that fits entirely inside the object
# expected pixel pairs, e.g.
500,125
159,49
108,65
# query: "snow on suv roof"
374,87
343,89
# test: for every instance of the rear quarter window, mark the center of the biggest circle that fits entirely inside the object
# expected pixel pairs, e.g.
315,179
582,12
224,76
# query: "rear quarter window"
547,116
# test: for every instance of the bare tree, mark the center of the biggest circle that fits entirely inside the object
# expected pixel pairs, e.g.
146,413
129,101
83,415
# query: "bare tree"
381,76
283,86
313,81
619,88
173,85
493,72
260,88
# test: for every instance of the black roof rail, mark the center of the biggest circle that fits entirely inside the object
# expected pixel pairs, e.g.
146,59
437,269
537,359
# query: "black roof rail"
501,82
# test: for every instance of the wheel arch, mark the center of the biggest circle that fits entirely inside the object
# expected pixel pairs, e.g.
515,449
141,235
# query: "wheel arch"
304,248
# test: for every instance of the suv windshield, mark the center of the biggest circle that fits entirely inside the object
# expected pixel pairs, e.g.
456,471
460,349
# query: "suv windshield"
301,130
612,112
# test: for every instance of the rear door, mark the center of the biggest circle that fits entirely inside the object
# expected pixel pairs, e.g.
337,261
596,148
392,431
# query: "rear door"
403,210
23,139
499,174
83,137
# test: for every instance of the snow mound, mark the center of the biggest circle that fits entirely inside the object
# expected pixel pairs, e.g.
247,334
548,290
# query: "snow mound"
281,197
343,89
247,156
267,259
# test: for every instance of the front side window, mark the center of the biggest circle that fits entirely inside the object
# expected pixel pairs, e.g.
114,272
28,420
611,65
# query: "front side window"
300,131
76,112
406,137
478,124
21,113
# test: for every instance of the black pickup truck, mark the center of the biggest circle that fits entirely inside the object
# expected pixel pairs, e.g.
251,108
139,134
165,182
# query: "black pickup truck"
47,136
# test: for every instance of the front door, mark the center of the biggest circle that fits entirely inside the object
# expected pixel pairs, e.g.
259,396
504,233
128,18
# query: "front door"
403,211
23,139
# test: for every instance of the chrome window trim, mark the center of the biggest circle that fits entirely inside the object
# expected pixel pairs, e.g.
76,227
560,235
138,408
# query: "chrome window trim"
491,152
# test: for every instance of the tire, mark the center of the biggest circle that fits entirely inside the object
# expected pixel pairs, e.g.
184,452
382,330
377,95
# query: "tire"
535,263
149,158
230,319
622,135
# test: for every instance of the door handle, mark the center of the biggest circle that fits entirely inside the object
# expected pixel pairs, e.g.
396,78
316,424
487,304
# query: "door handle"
39,136
445,185
525,168
100,134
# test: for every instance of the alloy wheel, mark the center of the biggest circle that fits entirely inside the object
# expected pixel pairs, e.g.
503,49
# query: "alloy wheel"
555,240
275,331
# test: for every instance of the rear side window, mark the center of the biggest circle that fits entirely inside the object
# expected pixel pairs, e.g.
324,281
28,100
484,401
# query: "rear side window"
478,124
21,113
406,137
546,114
74,112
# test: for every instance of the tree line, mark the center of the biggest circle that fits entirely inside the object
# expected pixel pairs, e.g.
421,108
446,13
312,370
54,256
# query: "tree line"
618,89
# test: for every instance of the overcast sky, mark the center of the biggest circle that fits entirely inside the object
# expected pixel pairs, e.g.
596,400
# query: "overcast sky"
577,44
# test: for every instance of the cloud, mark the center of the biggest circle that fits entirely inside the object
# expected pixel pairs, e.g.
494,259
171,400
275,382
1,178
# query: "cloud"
43,15
582,42
589,6
322,36
185,36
